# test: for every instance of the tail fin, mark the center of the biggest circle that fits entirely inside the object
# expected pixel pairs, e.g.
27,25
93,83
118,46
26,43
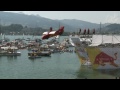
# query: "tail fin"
62,28
60,31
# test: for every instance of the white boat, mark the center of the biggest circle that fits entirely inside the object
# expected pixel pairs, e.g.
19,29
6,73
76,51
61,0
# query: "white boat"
39,53
80,39
9,51
73,40
58,36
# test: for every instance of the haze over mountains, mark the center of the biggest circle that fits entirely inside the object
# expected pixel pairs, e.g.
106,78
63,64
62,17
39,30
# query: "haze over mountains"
7,18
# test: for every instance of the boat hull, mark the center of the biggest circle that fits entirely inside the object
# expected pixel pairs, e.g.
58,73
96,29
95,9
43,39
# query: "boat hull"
33,57
104,57
82,55
10,54
40,54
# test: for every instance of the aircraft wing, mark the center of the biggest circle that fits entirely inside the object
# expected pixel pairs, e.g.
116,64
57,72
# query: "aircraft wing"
45,33
53,32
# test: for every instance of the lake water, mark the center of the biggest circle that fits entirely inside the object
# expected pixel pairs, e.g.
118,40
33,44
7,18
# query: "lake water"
58,66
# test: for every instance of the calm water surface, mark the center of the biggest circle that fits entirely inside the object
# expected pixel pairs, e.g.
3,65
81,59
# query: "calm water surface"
58,66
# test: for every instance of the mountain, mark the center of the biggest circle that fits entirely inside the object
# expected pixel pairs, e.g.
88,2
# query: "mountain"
8,18
111,28
80,24
71,25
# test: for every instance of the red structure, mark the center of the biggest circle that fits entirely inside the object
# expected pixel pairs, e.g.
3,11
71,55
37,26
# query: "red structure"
51,33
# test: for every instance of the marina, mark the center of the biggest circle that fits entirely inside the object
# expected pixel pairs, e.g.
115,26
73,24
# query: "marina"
62,65
59,45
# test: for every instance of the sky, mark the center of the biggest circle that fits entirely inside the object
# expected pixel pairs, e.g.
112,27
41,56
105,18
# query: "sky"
90,16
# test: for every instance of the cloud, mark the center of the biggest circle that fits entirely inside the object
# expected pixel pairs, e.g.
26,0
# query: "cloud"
115,18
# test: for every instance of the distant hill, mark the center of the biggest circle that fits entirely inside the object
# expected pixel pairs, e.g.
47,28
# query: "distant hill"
112,28
71,25
80,24
8,18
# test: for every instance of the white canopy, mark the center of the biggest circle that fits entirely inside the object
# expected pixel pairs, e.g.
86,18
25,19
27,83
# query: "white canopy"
104,39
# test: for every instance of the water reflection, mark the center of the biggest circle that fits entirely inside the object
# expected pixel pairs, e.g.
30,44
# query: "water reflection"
8,57
86,72
0,57
41,58
114,72
12,57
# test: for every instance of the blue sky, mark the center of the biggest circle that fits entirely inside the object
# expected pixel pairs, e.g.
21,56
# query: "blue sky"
90,16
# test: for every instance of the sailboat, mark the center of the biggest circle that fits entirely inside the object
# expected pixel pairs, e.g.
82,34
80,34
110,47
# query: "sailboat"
23,37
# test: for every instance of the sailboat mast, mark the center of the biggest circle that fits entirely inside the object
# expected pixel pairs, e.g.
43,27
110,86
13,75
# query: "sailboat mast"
100,27
101,33
0,26
59,24
0,30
